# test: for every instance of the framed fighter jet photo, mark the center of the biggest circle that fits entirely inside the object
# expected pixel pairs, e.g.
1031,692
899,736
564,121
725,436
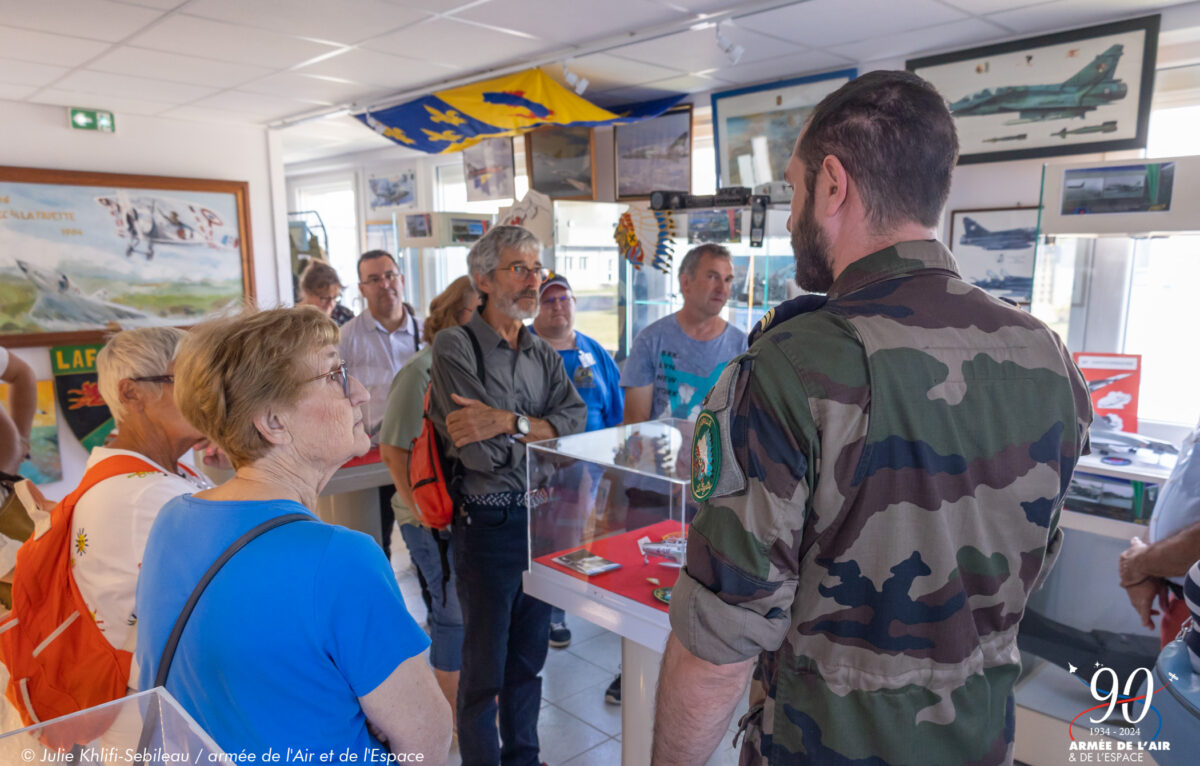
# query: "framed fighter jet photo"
1083,91
561,162
994,249
89,253
654,154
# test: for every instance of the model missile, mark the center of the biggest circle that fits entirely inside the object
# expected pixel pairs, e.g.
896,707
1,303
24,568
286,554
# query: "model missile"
1106,127
1017,137
1096,385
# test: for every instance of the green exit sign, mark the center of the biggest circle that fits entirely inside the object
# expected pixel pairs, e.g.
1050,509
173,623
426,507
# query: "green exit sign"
92,119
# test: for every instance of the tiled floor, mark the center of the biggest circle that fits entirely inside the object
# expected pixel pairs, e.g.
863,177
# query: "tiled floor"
576,726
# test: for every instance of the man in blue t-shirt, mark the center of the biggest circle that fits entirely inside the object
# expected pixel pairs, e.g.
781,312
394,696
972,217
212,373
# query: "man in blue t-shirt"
676,360
591,370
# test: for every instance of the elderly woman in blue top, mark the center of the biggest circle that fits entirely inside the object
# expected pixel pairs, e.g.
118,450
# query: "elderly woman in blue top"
302,640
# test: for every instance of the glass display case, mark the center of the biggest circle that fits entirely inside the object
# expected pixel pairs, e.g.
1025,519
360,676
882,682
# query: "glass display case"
762,276
608,511
148,727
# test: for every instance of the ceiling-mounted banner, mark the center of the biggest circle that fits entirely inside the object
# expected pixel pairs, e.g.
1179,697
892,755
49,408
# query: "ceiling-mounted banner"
451,120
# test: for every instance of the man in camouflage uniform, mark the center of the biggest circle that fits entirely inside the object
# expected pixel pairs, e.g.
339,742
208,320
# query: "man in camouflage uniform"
880,476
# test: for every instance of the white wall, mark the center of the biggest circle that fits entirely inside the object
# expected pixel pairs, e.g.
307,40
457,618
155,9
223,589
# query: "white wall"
38,136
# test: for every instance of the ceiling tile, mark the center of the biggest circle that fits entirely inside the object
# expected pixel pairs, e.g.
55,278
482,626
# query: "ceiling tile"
27,73
256,104
980,7
215,39
783,67
48,49
345,21
688,84
455,43
308,88
697,6
380,69
696,50
824,23
945,37
88,100
162,5
15,92
104,85
208,114
1049,17
176,67
437,6
604,71
93,19
561,22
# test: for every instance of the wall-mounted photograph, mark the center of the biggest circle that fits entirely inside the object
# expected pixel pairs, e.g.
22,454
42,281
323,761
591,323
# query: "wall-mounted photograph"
391,191
654,154
561,163
86,252
488,170
995,248
1135,188
719,226
755,128
1086,90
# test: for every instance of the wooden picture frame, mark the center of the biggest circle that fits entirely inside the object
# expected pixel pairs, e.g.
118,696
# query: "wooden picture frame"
555,162
1081,91
653,154
89,253
995,249
773,111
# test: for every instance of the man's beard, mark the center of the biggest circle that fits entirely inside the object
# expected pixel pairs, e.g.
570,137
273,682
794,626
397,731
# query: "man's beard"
812,252
509,307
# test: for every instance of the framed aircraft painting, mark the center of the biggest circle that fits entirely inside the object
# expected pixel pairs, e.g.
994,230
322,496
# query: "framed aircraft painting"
561,162
82,254
995,247
654,154
1086,90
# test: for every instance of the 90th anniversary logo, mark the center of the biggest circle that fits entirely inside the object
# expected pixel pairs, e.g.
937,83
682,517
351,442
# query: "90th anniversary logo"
1129,737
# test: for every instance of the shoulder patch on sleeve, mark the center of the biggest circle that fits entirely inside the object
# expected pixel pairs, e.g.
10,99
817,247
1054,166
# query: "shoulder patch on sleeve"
715,471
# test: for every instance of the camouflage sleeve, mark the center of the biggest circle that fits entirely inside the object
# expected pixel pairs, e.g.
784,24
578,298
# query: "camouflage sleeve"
750,474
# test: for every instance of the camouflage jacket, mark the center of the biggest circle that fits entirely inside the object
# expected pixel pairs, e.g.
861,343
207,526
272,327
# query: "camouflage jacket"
880,481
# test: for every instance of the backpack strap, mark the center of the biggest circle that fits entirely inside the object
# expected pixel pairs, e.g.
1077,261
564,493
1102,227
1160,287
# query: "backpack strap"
478,355
164,664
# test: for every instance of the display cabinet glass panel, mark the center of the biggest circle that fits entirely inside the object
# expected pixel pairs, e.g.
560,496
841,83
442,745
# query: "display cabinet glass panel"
608,509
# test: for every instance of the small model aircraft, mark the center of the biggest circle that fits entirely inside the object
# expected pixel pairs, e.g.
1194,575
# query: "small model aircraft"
1106,440
674,548
155,220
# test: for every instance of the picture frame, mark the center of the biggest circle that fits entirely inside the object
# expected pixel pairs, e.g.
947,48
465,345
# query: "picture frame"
774,113
653,154
88,253
561,162
1081,91
489,171
995,249
390,190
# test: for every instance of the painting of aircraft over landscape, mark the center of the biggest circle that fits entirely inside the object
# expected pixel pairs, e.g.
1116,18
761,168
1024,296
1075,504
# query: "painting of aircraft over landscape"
1083,90
995,248
1090,88
392,191
86,253
559,162
654,154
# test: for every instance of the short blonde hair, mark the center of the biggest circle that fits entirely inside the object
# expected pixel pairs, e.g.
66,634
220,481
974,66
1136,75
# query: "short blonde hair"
230,370
443,310
138,353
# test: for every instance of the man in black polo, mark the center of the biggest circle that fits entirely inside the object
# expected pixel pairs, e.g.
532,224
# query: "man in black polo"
482,427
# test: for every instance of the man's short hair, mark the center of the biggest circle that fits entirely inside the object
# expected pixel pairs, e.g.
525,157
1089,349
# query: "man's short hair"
691,261
139,353
371,255
485,253
895,137
318,275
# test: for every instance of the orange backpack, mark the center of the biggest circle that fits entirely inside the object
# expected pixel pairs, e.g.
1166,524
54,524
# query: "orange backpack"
426,472
58,660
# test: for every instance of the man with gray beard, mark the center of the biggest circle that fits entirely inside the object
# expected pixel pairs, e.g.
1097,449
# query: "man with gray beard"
482,425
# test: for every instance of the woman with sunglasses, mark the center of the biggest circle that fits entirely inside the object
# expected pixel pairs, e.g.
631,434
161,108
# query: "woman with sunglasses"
301,640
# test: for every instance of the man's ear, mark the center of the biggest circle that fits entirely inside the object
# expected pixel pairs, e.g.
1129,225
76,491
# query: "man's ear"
833,185
273,427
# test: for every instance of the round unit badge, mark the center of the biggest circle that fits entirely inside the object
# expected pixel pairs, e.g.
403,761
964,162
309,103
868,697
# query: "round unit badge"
706,456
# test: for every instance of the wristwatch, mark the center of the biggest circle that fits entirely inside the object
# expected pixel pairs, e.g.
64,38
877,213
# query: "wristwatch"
522,424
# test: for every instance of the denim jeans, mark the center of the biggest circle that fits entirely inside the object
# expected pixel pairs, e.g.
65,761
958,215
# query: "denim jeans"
505,643
445,615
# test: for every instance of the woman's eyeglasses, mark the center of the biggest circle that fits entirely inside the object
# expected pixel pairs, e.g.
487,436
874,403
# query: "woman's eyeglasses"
334,374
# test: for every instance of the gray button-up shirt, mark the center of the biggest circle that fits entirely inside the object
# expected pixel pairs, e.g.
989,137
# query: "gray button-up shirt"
529,380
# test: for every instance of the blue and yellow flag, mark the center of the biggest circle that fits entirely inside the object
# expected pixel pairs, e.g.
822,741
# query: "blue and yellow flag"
451,120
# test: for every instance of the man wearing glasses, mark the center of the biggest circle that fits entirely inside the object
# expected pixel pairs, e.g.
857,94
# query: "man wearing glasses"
482,427
374,345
